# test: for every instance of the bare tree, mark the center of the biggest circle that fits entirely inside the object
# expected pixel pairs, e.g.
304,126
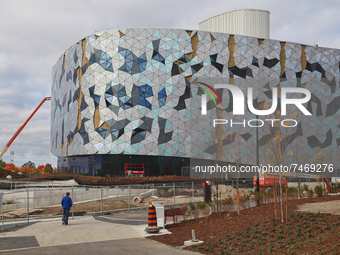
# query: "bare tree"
300,159
215,148
322,159
234,155
277,142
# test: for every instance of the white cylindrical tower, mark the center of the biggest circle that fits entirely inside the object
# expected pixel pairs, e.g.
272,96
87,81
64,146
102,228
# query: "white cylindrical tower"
249,22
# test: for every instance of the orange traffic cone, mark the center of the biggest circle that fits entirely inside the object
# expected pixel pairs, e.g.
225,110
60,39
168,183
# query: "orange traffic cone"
152,220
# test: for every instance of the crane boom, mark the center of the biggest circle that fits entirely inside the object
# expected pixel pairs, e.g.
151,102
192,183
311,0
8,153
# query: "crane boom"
22,127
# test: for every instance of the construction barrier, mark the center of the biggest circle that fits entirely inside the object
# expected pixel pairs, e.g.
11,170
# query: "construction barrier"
152,217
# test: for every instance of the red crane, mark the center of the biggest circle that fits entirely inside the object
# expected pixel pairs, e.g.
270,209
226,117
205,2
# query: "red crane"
22,127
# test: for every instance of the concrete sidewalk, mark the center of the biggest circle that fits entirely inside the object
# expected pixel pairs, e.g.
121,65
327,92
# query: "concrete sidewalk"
140,246
84,235
80,230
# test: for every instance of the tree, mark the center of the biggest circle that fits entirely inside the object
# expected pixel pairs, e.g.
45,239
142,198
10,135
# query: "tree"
48,168
26,170
11,167
29,164
40,169
215,142
2,163
320,159
235,156
300,159
278,141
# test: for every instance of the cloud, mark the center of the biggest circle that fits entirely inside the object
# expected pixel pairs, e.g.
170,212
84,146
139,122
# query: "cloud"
34,34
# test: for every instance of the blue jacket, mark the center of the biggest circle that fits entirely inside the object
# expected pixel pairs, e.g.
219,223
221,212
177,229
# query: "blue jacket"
66,202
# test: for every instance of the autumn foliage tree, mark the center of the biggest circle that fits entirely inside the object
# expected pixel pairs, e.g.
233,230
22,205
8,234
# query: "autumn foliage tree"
48,168
11,167
26,170
40,169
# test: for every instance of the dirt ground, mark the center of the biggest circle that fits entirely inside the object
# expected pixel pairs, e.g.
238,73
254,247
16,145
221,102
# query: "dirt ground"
108,205
256,231
224,191
93,206
332,207
79,208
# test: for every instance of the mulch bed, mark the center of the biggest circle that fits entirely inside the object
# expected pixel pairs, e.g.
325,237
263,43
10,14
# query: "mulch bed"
91,180
255,231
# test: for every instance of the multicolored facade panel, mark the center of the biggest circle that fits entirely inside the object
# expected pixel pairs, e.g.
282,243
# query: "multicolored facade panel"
139,92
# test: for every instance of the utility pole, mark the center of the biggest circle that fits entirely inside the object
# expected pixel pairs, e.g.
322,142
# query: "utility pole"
12,157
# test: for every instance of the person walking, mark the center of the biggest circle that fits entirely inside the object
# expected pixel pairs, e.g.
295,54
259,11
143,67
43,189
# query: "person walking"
66,203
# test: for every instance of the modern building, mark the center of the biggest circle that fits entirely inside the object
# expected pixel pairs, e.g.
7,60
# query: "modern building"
138,96
250,22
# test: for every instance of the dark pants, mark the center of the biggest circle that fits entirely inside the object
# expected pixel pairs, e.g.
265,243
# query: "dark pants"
65,216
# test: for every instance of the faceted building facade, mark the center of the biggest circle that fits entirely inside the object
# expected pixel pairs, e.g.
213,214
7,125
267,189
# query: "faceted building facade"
135,95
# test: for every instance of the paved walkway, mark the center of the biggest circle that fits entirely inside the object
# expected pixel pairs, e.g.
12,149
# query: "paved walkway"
116,234
140,246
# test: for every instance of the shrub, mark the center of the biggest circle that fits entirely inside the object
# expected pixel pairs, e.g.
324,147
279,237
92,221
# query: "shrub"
192,206
201,206
193,210
228,204
244,201
269,192
172,210
304,187
318,191
259,196
293,192
310,193
184,208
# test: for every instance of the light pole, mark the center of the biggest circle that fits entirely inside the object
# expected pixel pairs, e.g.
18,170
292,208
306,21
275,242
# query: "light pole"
257,157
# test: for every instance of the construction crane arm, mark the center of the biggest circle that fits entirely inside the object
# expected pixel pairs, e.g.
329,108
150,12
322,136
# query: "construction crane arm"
22,127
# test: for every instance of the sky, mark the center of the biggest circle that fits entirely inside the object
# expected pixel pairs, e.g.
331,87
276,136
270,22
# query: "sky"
35,33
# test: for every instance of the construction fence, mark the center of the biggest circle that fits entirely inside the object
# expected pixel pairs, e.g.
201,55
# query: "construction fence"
29,199
40,199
